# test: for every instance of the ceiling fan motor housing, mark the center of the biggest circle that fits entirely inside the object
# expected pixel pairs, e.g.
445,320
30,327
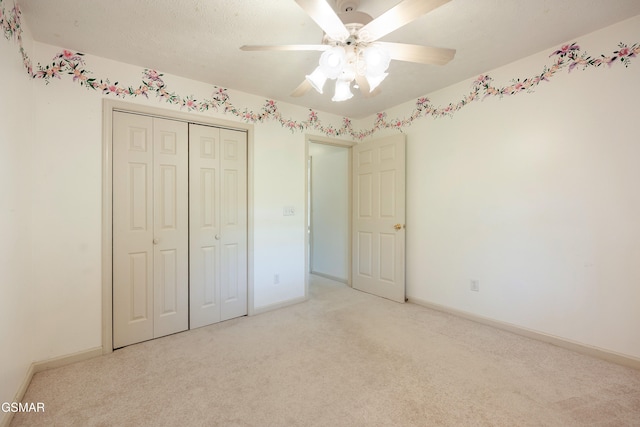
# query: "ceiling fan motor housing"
353,21
347,5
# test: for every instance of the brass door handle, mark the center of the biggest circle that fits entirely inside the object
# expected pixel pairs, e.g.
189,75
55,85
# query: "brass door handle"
398,227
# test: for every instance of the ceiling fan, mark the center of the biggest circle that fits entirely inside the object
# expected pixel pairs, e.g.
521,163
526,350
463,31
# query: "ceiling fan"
351,52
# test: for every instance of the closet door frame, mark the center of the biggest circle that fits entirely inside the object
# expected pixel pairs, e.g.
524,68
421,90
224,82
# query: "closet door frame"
108,107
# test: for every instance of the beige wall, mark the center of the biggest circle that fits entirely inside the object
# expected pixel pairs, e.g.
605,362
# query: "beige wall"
16,291
536,196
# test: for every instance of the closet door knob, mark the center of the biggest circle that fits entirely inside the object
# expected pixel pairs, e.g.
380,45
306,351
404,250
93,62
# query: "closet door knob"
217,237
156,241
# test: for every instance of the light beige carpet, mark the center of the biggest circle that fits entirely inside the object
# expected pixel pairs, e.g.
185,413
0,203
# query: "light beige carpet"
344,358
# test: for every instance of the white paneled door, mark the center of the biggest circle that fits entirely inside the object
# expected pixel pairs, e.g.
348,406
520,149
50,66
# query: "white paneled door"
218,229
379,217
150,228
179,226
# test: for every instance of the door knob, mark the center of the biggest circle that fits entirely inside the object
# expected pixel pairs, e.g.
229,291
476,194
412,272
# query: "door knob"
217,237
398,227
156,241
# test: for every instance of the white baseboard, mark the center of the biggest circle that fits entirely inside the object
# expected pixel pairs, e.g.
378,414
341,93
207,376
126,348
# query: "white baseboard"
43,365
330,277
8,416
57,362
610,356
276,306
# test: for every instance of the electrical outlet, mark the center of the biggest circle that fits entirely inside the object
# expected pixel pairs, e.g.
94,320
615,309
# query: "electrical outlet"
475,285
288,211
276,279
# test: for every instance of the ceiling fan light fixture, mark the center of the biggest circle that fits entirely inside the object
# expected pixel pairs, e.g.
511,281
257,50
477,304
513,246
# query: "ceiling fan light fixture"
317,79
332,61
352,52
343,91
374,81
348,73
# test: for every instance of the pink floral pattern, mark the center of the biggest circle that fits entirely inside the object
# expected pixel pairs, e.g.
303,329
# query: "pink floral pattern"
68,63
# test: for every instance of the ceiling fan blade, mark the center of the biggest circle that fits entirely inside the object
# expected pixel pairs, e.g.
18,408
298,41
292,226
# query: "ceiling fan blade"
363,84
301,89
365,90
287,47
396,17
417,53
325,17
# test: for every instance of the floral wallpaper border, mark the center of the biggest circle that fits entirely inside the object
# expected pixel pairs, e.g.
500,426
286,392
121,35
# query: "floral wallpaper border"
67,63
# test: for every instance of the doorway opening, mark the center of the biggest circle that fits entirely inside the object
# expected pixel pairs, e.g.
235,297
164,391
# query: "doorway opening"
329,208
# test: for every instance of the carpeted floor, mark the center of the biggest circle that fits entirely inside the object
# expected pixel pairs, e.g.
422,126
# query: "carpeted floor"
344,358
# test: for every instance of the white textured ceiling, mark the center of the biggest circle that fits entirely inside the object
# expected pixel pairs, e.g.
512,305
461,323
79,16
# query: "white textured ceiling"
200,39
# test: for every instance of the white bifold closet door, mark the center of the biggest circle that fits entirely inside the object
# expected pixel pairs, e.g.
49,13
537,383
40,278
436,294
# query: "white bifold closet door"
218,224
150,228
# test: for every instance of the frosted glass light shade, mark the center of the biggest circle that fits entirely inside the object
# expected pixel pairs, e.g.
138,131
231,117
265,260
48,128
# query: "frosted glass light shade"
343,91
317,79
332,61
376,59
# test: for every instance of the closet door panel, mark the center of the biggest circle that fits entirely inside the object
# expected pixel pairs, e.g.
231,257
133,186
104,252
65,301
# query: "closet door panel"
132,229
204,228
218,224
150,228
233,165
171,227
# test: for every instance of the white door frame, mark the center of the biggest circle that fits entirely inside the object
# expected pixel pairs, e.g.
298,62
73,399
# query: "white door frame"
337,143
108,106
